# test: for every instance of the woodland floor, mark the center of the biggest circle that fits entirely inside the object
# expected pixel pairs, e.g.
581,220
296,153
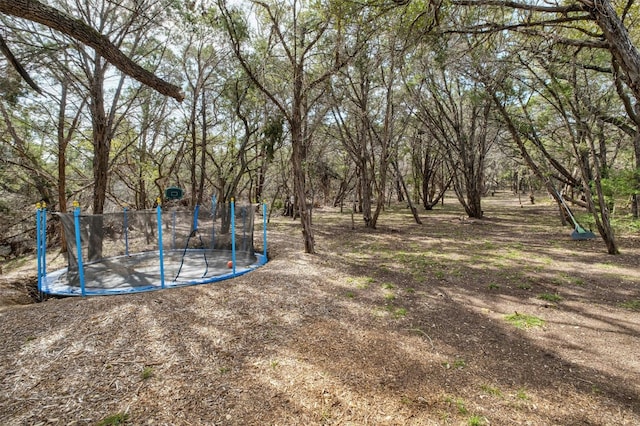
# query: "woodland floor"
404,325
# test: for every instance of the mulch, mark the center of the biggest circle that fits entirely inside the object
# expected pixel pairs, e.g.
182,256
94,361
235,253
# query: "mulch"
403,325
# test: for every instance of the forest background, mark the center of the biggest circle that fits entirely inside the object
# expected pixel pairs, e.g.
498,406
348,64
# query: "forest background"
397,111
306,103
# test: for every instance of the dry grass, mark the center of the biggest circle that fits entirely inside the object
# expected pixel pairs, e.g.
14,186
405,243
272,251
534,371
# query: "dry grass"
404,325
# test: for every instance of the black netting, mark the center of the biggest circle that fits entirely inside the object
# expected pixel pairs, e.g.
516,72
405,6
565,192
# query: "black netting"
123,249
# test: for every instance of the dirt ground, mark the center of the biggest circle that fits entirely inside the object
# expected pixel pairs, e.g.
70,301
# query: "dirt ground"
404,325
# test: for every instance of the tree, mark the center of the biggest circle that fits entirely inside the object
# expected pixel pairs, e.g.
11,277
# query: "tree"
352,114
235,154
26,156
371,117
430,174
576,18
200,64
299,79
139,146
455,113
51,17
552,115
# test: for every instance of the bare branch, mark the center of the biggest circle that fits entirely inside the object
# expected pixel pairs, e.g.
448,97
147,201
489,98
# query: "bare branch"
592,44
574,7
491,27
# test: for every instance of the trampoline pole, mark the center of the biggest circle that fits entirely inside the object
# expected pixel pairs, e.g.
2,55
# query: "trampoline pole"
160,252
76,223
126,233
39,246
195,217
243,212
43,240
214,202
264,230
233,236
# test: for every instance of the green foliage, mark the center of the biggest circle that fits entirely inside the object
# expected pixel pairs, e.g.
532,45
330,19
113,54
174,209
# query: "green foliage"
460,405
524,321
457,364
633,305
12,87
398,312
491,390
419,17
626,224
147,373
236,23
360,282
272,133
115,420
621,183
476,421
550,297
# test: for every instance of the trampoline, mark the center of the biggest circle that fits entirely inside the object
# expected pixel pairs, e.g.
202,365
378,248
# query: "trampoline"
137,251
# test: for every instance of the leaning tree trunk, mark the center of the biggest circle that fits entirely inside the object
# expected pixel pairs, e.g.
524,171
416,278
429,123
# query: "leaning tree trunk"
402,188
635,201
625,53
599,210
51,17
620,44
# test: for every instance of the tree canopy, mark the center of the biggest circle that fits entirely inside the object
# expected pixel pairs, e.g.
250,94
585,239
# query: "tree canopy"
306,103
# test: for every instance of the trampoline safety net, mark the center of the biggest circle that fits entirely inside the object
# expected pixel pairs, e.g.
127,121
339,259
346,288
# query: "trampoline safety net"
133,251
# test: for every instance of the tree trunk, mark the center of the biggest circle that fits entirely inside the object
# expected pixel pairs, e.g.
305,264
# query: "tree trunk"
203,150
524,152
366,177
635,201
300,191
599,210
620,44
297,160
193,153
62,164
101,140
402,187
474,202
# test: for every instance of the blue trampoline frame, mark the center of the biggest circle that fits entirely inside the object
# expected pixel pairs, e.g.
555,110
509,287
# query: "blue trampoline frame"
47,282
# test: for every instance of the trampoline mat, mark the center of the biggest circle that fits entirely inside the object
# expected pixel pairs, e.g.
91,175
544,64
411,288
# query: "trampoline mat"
142,272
